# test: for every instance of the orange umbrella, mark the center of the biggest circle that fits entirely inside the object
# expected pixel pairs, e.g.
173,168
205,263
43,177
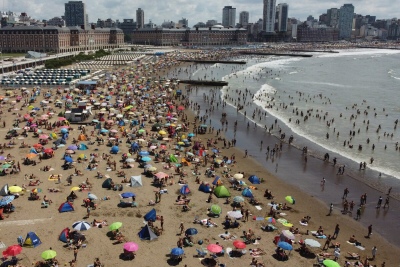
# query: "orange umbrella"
31,155
37,145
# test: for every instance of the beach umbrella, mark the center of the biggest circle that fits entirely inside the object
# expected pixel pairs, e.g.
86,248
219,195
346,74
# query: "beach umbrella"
48,150
144,153
288,234
191,135
72,147
215,209
152,169
191,231
238,176
330,263
129,160
214,248
48,254
181,108
6,200
146,159
2,158
36,190
62,119
81,226
177,252
162,132
37,146
128,195
5,166
43,136
131,246
238,199
92,196
15,189
285,245
64,130
68,159
235,214
312,243
75,188
271,220
141,131
115,226
161,175
290,199
13,250
153,147
239,244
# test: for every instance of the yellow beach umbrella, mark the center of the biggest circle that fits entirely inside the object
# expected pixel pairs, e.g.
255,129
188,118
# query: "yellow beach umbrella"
75,188
162,132
15,189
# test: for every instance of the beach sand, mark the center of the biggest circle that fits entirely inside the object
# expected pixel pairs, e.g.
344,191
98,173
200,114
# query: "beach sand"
48,223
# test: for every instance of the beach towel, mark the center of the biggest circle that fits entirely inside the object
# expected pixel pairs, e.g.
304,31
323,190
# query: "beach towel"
228,252
258,207
204,222
55,178
230,239
304,224
354,244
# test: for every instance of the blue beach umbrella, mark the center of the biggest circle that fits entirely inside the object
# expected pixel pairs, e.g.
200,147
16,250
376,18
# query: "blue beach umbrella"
191,231
68,159
146,159
128,195
191,135
144,153
6,200
177,251
285,245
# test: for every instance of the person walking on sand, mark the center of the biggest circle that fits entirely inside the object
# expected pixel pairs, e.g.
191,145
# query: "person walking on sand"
378,206
162,222
369,231
336,233
245,153
358,217
386,202
374,249
75,253
330,209
88,212
182,228
246,215
345,193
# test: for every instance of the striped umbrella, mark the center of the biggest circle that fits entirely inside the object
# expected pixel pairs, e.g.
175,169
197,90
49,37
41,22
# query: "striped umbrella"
81,226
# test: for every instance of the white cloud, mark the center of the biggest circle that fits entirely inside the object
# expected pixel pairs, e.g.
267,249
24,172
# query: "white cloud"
196,11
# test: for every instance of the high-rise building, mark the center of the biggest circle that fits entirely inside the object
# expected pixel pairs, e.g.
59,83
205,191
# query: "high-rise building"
140,18
332,15
229,16
283,11
75,14
346,15
244,18
269,15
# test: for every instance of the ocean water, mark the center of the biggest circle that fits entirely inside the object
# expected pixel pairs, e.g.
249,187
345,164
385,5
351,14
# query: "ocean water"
351,99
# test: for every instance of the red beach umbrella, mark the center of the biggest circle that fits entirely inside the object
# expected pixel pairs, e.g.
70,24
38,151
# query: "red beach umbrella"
13,250
239,244
214,248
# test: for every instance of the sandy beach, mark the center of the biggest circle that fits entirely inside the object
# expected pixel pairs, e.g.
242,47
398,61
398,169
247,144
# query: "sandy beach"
48,223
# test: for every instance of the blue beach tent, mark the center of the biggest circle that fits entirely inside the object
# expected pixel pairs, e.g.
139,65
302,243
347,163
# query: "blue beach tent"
147,234
247,193
66,207
254,179
64,235
32,240
184,190
151,215
217,181
114,150
204,188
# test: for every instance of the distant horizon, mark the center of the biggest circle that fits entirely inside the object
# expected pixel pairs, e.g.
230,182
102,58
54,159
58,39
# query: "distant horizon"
159,12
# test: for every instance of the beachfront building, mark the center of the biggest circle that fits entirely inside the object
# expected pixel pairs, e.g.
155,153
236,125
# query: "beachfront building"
139,18
346,15
56,21
332,17
229,16
20,39
244,19
269,10
190,37
316,34
283,15
75,14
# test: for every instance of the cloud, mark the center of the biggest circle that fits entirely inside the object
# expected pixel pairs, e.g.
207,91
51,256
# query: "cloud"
195,11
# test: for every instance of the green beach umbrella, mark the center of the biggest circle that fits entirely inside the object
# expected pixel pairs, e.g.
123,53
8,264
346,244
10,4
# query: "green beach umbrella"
290,199
215,209
115,226
142,131
5,166
49,254
330,263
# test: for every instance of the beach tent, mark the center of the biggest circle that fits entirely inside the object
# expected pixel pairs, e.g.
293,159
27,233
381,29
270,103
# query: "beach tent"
114,150
66,207
184,190
254,179
107,183
83,146
221,191
4,191
247,192
33,150
32,240
64,235
217,181
172,158
204,188
151,215
82,137
136,181
147,234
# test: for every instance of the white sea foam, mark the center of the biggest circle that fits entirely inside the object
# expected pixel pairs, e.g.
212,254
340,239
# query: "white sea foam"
324,83
359,52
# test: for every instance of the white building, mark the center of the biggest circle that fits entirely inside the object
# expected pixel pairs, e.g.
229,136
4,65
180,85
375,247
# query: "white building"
229,16
269,16
244,18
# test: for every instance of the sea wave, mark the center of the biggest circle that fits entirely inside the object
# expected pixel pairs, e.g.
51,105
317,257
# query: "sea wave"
324,83
359,52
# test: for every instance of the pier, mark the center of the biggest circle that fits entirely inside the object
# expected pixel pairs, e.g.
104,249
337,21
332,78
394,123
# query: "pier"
214,61
313,51
274,54
204,82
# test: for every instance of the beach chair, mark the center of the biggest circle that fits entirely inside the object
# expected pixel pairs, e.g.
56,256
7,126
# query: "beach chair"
201,253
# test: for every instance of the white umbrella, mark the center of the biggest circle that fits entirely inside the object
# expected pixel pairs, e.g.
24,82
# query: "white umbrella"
238,176
235,214
288,234
81,226
312,243
92,196
129,160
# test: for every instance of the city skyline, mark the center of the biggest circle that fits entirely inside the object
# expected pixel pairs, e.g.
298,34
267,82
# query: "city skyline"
174,10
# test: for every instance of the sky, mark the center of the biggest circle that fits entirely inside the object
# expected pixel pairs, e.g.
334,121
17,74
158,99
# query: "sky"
173,10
